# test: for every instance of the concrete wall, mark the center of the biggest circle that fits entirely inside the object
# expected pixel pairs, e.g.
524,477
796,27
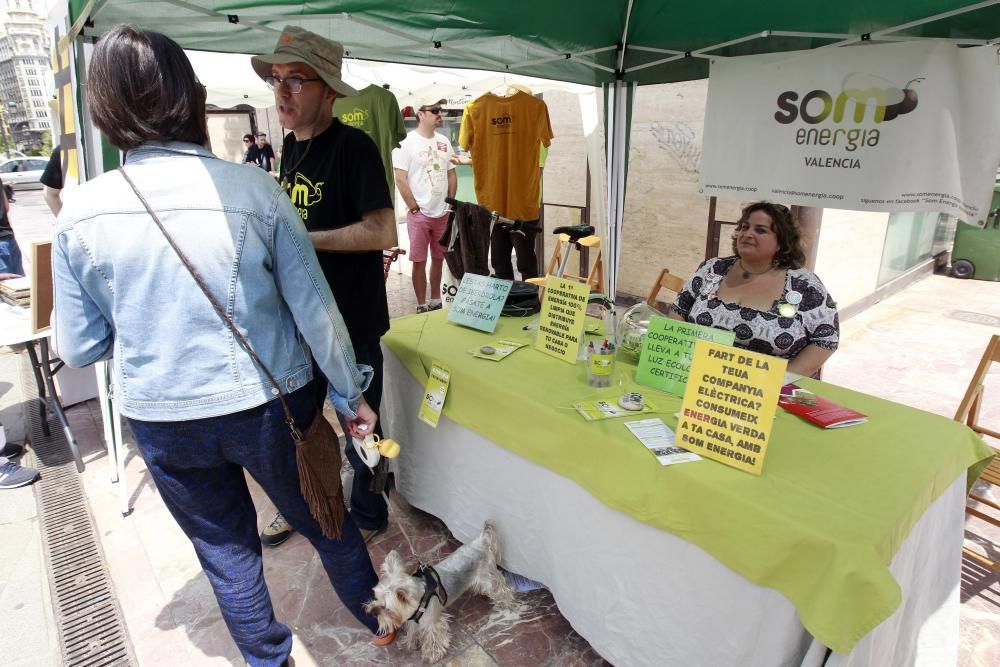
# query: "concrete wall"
665,215
225,131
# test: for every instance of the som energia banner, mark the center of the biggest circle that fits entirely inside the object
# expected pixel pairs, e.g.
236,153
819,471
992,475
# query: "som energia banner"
897,127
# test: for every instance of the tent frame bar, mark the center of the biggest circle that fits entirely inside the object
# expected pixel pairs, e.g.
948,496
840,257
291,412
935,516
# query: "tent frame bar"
883,34
568,56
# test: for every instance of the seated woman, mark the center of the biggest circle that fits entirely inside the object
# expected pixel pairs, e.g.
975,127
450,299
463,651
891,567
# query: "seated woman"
763,295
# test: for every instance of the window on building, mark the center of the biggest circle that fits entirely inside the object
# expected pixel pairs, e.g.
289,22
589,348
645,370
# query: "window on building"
41,114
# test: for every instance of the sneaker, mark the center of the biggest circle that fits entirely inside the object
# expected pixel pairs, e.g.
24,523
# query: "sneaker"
434,306
276,532
13,475
421,309
11,450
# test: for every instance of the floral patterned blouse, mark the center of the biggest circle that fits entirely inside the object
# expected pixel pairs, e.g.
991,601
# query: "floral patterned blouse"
804,314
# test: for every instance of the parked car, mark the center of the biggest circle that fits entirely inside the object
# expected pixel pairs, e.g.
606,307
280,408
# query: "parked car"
23,173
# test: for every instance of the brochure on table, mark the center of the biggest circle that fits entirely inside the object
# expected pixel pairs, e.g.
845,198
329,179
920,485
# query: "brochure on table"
609,408
729,405
660,440
667,351
560,326
820,411
497,350
479,302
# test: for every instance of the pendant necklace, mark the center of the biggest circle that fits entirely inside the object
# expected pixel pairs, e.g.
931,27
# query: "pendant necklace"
747,273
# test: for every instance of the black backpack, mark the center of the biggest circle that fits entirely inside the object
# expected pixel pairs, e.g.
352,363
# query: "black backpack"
522,300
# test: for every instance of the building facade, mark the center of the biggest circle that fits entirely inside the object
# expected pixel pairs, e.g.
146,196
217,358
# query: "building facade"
25,72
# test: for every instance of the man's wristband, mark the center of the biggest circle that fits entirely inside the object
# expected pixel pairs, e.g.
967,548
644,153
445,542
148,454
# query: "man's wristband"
415,210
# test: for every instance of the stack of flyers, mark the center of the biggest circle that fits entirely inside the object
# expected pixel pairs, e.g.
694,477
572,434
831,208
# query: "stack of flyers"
659,439
497,350
594,411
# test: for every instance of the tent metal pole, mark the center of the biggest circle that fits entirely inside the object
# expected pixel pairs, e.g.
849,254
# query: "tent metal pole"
654,63
704,51
617,117
739,40
209,12
563,56
881,34
936,17
815,35
651,49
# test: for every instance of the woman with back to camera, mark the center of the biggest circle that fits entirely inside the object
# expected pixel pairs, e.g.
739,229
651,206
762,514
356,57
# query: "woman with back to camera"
763,294
200,408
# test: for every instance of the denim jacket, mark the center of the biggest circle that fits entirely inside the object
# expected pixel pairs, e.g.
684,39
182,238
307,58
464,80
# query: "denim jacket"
121,291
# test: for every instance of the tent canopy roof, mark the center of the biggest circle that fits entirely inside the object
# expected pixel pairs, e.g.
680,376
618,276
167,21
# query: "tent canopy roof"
574,41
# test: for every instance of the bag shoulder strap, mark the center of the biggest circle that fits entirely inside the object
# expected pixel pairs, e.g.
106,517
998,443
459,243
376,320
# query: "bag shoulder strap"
296,434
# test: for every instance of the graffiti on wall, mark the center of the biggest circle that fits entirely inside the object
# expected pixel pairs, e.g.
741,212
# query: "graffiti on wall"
681,143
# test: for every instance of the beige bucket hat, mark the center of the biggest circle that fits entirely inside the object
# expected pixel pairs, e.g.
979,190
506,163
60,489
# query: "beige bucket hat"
298,45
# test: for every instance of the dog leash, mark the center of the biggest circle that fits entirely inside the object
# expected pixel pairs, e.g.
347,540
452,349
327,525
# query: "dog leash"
434,588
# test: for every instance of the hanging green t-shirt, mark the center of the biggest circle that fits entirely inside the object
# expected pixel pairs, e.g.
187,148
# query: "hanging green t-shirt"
375,111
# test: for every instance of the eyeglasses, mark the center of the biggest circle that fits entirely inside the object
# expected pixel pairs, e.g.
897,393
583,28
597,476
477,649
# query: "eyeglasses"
294,83
247,141
434,110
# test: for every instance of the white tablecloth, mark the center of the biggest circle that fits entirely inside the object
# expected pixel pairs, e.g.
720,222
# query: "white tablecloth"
640,595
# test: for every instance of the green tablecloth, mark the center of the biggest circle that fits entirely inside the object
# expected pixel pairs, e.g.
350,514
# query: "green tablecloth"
820,525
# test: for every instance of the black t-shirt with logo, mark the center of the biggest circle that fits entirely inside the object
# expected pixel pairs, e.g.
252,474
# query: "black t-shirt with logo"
262,157
339,179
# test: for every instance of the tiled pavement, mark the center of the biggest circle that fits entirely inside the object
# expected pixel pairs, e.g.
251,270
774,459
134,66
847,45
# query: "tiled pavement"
909,348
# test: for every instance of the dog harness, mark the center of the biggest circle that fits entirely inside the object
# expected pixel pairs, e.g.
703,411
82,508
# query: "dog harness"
432,588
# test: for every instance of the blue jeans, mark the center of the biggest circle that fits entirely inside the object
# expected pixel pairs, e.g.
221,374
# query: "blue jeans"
198,468
10,257
368,509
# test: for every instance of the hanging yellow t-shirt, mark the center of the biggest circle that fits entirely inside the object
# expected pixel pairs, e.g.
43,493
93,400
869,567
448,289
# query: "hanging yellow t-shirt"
503,134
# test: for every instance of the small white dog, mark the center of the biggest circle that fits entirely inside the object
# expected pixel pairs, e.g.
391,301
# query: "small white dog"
421,597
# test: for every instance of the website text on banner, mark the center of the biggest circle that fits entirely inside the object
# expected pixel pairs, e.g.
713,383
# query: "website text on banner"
895,127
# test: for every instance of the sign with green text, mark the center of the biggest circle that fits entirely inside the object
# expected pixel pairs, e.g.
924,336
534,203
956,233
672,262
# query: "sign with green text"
667,352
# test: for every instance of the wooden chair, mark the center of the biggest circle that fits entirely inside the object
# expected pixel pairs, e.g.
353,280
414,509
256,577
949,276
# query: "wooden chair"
388,257
968,413
665,280
595,277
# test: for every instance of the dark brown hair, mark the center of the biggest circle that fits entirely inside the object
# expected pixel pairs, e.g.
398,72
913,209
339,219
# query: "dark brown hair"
791,254
141,87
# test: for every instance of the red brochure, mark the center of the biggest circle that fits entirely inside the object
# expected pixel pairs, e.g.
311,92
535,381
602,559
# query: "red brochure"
820,411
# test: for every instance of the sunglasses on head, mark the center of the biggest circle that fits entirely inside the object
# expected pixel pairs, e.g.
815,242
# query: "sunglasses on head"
433,110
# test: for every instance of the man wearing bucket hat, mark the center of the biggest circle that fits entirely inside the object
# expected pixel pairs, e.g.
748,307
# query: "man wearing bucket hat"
335,178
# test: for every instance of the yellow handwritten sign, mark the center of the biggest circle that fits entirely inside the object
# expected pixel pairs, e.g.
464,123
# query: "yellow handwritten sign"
729,405
560,325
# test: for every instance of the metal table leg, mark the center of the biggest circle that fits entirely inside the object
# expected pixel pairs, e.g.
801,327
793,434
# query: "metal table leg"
46,368
36,368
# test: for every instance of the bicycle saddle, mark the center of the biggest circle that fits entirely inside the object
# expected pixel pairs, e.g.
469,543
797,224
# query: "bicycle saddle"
575,232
